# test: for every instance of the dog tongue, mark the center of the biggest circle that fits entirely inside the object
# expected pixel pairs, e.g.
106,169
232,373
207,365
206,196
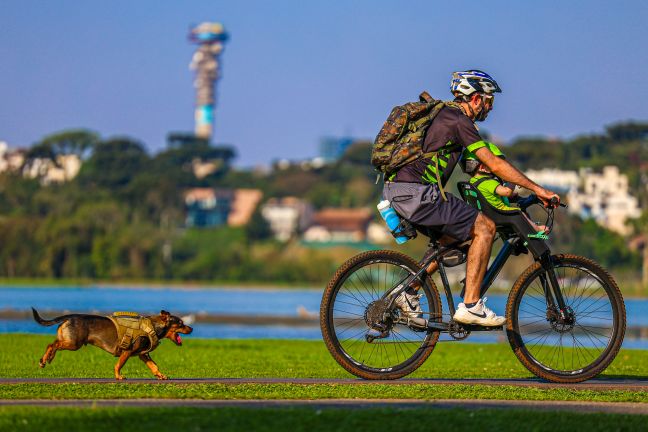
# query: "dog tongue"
178,338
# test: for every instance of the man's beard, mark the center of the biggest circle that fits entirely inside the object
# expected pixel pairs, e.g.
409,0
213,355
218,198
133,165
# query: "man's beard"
483,113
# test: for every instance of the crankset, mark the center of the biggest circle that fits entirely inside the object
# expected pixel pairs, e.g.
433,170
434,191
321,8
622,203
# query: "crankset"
457,331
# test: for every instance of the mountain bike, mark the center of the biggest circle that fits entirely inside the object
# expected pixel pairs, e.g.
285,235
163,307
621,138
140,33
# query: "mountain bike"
565,316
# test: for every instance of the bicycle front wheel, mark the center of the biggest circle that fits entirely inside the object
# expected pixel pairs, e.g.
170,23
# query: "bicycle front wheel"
575,349
353,302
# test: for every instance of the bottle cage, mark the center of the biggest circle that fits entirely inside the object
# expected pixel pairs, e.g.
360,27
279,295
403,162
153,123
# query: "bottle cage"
508,222
404,228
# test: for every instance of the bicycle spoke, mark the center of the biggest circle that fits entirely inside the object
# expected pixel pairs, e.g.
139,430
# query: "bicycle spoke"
358,299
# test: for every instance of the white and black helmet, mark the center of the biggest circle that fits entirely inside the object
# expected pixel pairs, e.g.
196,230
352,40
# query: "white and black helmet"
471,81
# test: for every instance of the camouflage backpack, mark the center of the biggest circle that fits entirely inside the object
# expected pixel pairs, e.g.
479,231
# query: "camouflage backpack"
400,141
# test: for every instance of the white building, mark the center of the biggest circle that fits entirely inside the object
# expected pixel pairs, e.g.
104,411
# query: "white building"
65,169
602,196
286,216
605,197
10,159
555,179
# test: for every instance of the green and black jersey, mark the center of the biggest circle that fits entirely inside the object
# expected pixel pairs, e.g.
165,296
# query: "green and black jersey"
449,134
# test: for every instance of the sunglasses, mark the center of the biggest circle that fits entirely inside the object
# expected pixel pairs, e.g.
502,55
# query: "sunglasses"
488,100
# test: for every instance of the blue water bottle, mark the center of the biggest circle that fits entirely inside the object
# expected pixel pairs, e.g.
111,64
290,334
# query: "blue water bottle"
391,219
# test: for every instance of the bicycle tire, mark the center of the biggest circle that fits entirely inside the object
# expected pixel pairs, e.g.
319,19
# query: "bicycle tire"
591,310
356,366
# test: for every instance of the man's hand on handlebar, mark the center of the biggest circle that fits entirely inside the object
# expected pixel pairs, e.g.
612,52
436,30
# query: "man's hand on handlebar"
549,199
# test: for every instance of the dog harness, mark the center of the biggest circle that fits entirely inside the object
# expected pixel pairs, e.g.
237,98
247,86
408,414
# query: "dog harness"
131,326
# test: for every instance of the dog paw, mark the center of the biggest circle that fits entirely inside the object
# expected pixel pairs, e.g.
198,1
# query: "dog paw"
41,364
162,377
120,377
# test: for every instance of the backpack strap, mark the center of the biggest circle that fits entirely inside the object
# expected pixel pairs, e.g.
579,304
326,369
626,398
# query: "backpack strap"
434,155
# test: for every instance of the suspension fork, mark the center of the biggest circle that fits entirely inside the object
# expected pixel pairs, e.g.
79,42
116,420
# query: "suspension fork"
551,287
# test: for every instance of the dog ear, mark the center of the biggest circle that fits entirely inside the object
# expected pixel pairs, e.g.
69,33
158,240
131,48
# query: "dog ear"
165,315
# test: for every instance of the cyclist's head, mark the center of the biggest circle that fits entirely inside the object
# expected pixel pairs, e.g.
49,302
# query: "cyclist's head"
470,163
475,88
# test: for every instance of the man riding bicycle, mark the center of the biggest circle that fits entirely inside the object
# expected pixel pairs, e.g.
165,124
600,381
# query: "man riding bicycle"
415,194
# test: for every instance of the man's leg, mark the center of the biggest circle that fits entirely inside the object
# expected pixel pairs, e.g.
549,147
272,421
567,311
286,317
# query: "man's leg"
473,310
483,232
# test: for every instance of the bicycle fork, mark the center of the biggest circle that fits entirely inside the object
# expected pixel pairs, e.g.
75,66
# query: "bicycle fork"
556,306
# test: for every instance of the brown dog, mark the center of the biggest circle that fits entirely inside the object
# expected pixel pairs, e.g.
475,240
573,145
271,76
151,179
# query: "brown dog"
77,330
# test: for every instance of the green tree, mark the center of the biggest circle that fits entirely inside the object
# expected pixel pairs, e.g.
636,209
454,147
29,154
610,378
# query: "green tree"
113,164
257,229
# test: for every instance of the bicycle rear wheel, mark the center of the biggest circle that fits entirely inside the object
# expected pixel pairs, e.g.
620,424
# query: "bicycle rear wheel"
566,351
353,301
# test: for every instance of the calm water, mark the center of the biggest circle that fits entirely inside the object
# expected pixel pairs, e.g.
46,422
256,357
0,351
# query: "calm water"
250,301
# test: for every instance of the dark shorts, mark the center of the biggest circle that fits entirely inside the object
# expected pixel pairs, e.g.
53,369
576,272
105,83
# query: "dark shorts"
423,205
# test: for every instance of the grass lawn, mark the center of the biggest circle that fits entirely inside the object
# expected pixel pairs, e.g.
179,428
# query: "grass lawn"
290,359
305,419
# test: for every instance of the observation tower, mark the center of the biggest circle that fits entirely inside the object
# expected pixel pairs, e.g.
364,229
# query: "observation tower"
210,38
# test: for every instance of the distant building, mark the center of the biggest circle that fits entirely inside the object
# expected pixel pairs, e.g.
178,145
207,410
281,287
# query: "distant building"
332,148
557,180
287,216
202,169
377,232
208,207
243,205
64,169
604,197
10,159
339,225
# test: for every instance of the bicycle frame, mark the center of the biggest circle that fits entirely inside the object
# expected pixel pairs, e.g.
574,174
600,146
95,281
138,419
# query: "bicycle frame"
541,252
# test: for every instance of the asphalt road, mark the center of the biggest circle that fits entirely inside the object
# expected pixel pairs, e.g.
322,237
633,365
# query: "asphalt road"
595,384
470,404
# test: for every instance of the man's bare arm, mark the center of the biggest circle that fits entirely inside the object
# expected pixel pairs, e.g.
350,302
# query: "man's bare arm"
507,172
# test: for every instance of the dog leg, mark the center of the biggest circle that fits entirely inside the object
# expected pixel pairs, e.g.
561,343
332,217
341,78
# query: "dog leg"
153,366
49,354
121,361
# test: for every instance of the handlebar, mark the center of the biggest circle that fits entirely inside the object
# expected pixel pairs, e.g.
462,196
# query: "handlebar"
532,199
554,203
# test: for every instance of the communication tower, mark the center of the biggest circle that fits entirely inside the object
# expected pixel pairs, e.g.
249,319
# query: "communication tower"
210,38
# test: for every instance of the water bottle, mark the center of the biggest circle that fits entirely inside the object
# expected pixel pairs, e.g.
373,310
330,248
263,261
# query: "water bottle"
391,219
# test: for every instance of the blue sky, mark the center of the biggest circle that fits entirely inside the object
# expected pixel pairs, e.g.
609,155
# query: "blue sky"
294,71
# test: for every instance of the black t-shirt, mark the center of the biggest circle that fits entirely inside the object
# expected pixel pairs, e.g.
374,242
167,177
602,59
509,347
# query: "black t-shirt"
450,127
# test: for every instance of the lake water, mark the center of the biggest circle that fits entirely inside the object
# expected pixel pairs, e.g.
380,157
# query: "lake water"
223,300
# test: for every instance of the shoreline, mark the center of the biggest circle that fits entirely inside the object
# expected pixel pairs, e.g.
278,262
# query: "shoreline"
154,284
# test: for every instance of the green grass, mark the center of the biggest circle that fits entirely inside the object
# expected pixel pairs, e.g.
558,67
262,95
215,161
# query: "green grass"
307,419
202,358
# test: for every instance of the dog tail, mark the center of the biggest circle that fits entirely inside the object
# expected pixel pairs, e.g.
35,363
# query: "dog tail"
45,322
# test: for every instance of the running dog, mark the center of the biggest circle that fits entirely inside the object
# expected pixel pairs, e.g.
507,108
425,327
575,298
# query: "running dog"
124,334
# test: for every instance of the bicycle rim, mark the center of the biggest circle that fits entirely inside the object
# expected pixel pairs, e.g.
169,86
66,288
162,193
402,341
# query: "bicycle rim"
357,295
575,348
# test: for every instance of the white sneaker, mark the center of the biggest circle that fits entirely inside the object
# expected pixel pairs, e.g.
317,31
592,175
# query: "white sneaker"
409,302
479,314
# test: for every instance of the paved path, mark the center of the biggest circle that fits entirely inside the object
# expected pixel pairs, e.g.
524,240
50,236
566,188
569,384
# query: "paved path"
471,404
596,384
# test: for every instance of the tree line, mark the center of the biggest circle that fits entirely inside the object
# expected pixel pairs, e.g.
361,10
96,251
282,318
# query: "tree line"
122,216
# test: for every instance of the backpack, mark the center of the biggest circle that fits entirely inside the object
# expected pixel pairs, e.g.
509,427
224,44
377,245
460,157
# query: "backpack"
400,140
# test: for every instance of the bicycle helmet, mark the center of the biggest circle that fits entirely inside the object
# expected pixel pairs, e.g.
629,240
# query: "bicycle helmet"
469,160
471,81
